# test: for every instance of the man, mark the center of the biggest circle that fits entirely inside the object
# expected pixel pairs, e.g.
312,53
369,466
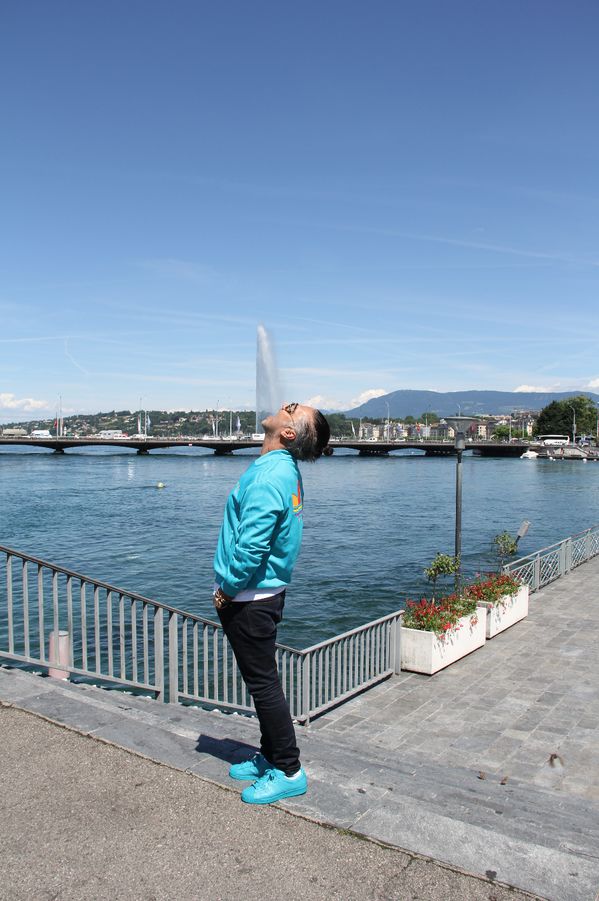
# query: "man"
257,548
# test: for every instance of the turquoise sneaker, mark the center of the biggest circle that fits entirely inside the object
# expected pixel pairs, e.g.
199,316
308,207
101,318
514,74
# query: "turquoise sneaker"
275,785
253,768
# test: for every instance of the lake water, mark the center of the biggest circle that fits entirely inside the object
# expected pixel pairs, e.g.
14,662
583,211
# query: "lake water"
371,524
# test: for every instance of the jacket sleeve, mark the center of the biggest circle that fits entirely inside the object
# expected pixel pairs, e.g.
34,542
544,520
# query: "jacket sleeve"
260,510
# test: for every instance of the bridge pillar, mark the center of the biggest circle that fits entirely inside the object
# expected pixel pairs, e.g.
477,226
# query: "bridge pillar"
59,450
143,450
221,451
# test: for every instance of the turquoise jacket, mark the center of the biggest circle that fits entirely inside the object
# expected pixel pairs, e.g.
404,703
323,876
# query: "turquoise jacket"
261,533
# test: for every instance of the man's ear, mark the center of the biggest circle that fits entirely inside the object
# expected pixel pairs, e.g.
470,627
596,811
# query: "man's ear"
288,434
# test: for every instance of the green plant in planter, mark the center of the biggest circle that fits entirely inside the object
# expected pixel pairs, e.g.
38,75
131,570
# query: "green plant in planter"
443,615
442,565
505,546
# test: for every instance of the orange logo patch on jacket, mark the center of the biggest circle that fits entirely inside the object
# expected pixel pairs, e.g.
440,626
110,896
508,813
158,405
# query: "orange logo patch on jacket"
297,500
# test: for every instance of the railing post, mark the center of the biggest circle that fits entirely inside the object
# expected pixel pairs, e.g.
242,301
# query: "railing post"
537,573
568,554
159,653
587,545
395,645
11,634
306,665
173,658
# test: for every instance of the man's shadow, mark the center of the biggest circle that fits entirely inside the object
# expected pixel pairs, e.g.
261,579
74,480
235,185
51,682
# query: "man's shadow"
225,748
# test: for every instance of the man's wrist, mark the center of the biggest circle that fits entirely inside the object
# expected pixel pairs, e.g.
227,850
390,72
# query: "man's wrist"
221,600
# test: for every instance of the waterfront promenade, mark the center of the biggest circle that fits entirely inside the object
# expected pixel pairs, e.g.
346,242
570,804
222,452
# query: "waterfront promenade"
491,768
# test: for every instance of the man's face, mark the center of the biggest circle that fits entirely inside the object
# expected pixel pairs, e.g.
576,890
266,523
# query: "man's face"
287,417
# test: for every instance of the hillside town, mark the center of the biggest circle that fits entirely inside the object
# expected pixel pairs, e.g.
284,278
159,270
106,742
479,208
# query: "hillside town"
519,425
227,423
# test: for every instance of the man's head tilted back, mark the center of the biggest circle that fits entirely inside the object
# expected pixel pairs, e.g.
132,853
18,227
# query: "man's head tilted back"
300,429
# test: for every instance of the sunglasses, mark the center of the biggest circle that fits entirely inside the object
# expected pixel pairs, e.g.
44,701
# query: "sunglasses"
290,410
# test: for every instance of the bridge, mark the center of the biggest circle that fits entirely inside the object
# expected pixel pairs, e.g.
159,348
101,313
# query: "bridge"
227,445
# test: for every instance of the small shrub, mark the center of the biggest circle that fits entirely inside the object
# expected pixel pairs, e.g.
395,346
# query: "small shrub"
442,565
505,546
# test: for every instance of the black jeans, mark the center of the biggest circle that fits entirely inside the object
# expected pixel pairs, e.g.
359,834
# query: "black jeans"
251,628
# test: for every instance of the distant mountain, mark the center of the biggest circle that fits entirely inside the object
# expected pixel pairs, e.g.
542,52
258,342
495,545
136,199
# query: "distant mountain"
467,403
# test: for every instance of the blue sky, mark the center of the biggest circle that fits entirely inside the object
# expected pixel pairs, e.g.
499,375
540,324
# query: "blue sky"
404,193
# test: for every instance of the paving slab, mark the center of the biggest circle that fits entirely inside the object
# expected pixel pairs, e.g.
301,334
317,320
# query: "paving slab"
528,865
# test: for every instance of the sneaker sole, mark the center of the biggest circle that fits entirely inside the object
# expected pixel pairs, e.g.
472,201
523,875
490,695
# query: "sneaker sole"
279,797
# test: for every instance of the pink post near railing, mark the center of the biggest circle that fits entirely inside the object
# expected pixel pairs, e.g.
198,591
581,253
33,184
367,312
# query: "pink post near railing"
58,654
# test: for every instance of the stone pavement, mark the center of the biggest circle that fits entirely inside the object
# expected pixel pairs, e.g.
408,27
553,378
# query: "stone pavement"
403,762
84,819
530,692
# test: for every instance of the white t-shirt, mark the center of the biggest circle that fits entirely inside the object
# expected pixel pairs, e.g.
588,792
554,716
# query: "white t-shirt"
255,594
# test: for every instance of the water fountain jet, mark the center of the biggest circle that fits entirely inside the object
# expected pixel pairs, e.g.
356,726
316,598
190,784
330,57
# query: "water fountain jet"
268,386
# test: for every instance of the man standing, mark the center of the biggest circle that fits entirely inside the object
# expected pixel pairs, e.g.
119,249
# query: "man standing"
257,548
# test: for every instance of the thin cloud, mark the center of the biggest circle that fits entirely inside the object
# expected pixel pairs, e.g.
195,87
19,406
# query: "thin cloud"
72,359
175,317
350,373
564,384
322,402
199,273
367,395
171,379
500,248
532,389
37,339
461,242
9,401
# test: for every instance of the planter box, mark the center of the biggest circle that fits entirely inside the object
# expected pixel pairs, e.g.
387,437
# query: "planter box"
423,652
511,609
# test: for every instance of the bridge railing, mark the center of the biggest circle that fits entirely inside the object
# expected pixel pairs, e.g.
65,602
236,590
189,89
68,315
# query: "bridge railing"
54,618
548,564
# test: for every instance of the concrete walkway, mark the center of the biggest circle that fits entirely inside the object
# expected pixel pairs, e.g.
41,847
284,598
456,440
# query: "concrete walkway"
418,763
86,820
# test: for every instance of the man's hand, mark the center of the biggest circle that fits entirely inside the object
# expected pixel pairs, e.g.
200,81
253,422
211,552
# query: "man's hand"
221,600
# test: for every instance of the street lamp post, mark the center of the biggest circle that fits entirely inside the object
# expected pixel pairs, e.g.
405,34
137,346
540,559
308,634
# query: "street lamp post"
460,424
387,405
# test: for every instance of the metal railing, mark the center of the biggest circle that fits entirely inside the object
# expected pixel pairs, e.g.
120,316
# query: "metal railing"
111,635
548,564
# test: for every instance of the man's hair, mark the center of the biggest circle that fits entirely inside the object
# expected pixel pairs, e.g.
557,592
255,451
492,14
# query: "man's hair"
312,435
